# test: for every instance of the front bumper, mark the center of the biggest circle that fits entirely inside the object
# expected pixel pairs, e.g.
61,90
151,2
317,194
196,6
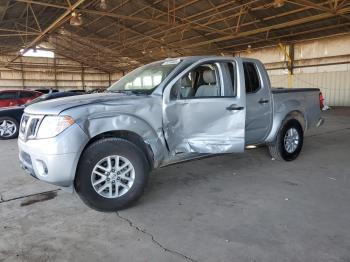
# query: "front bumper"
53,160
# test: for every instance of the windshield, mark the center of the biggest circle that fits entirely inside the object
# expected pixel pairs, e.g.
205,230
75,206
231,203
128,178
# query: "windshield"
145,79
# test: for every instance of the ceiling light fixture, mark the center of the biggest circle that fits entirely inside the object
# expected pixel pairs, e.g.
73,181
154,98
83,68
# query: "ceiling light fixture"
278,3
76,19
249,49
103,5
62,31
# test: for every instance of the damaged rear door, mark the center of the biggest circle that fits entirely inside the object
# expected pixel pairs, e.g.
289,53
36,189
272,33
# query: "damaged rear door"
204,109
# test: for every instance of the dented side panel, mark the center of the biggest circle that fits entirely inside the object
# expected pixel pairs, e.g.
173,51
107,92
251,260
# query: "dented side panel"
204,125
139,115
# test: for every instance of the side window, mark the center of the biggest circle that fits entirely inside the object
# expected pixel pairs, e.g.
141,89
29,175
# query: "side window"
8,95
202,81
25,94
252,81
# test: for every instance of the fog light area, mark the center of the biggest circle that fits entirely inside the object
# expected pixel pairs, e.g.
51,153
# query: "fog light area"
41,167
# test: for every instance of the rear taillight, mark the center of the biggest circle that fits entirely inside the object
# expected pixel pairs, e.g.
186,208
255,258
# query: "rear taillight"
321,100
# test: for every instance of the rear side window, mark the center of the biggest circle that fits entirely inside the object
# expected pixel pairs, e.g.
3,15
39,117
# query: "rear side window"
230,79
25,94
8,95
252,82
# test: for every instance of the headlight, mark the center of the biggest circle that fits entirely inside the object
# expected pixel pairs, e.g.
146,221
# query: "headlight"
53,125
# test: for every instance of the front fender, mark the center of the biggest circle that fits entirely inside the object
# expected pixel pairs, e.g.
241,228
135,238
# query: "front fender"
127,122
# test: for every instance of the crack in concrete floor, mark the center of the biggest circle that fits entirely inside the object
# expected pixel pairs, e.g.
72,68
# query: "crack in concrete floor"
156,242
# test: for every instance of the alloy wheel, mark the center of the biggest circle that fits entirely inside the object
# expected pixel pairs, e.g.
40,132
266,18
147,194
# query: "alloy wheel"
291,140
113,176
7,128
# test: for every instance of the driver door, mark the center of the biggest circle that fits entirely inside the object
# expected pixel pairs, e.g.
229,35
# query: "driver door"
210,117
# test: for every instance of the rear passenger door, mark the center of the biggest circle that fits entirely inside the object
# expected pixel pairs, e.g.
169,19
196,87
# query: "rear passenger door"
259,103
204,110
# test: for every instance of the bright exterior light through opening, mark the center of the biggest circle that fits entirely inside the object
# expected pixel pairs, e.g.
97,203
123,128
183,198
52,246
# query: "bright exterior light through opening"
38,53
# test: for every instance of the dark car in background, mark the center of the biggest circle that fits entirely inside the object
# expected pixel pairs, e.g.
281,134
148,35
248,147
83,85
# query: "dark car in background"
17,97
76,90
47,90
97,90
10,117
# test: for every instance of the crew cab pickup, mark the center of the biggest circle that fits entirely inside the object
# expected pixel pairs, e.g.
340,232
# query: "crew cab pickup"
105,145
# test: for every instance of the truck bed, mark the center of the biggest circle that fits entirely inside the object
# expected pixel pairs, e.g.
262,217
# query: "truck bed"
277,90
302,100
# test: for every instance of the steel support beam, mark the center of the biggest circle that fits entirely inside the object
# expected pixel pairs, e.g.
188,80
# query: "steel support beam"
99,13
53,26
268,28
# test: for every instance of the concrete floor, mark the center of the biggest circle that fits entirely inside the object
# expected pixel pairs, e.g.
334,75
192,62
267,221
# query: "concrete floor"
227,208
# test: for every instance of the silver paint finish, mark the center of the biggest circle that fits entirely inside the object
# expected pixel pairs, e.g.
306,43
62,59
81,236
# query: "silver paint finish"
173,130
259,115
60,154
204,125
303,106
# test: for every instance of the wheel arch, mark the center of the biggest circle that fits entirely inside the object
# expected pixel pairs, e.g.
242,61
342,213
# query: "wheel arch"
148,136
297,115
294,114
127,135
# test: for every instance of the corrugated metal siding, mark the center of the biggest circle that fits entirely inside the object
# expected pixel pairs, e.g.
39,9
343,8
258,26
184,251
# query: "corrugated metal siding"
68,75
335,86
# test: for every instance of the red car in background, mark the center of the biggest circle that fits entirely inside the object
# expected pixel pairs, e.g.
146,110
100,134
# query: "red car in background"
17,97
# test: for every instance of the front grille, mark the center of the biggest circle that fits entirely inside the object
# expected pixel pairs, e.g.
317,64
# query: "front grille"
29,126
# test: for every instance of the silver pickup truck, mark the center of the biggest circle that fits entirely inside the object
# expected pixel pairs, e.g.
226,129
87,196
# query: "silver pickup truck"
105,145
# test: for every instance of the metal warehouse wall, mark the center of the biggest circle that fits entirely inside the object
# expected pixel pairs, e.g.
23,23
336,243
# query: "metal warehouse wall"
58,73
335,86
323,63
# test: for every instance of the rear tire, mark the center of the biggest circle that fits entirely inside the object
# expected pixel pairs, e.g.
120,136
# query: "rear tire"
100,162
9,128
289,141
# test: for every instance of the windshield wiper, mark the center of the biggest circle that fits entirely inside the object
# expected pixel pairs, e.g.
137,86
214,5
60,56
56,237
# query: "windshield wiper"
119,91
128,92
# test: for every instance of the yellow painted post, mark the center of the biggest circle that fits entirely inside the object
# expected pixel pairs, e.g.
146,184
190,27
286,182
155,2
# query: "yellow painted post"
290,79
290,56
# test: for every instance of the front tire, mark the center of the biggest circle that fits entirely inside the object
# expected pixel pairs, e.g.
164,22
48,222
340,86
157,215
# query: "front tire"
111,175
289,141
9,128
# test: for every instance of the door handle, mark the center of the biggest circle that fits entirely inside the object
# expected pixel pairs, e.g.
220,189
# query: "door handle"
234,107
263,101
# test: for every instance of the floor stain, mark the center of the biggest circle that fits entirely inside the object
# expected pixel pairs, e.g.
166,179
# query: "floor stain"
290,183
39,198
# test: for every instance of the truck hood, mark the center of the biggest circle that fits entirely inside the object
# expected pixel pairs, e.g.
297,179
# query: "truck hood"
56,106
